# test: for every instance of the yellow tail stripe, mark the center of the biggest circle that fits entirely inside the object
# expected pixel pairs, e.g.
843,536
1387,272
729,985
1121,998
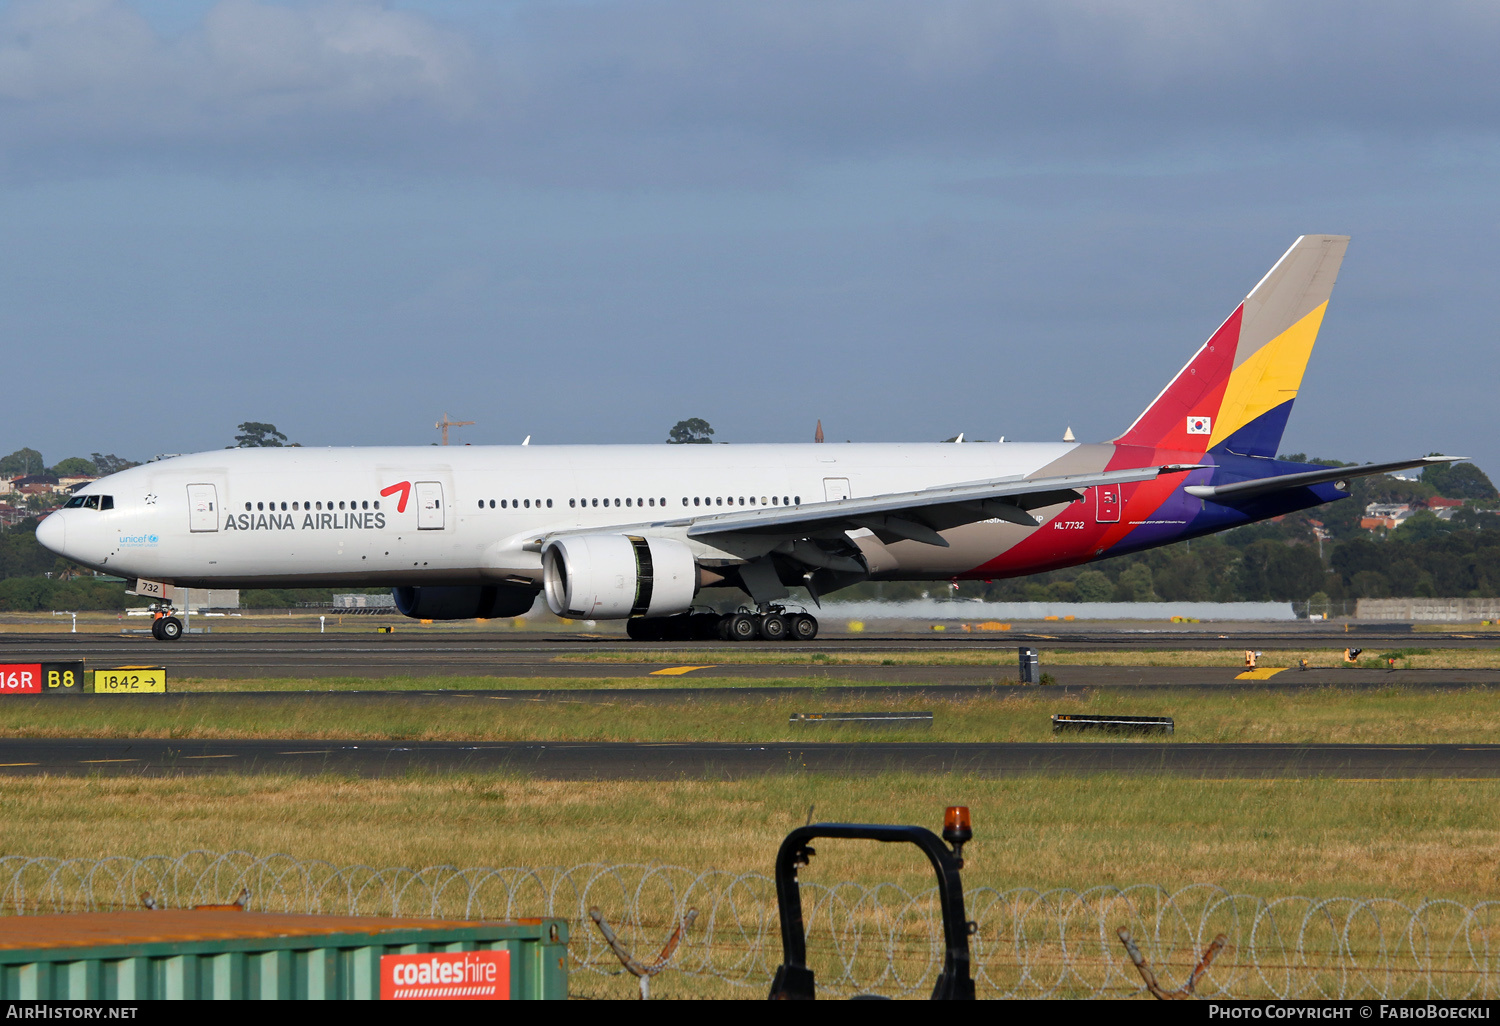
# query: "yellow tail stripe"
1270,376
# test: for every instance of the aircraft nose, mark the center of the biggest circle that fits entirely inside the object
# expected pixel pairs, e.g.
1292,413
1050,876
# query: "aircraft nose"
51,534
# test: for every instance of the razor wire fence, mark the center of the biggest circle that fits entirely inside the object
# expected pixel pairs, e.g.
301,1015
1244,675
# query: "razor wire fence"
862,939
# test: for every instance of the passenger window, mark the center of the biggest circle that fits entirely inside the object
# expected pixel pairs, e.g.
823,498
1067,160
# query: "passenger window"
549,503
283,507
341,505
365,504
742,500
481,504
651,502
721,501
617,502
492,504
627,502
773,500
294,507
752,500
596,502
572,503
320,505
786,500
106,502
247,507
260,505
695,501
377,503
664,501
797,499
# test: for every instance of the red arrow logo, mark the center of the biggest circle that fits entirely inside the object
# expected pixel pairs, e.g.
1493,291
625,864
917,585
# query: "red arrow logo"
404,487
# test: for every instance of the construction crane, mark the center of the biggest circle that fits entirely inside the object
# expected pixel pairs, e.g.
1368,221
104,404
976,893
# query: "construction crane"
445,424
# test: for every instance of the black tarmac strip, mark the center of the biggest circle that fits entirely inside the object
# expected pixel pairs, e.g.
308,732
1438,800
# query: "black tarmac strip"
718,761
374,656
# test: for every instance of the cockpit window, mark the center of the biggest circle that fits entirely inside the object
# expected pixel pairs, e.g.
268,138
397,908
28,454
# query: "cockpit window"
75,502
90,502
106,502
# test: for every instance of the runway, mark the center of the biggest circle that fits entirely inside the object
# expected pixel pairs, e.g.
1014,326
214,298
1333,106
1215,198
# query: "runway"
718,761
373,656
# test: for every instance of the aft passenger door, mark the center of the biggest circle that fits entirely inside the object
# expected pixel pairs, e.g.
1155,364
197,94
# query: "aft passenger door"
429,506
1108,498
203,507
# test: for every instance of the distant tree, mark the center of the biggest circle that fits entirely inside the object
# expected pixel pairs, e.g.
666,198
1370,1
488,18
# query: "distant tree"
22,461
1093,586
1134,584
76,466
254,434
1459,481
110,463
693,431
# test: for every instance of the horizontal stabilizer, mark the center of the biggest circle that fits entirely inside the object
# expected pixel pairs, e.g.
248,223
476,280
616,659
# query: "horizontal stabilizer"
1244,491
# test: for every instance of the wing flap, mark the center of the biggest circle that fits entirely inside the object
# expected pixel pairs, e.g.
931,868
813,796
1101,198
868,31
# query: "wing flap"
919,515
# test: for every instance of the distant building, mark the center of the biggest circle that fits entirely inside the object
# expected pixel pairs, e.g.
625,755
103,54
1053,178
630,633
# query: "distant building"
35,484
1384,516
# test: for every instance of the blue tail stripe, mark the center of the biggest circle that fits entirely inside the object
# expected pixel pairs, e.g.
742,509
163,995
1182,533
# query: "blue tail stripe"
1260,437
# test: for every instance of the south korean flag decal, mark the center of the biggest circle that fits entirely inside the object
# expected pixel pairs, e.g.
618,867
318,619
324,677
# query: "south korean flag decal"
1200,425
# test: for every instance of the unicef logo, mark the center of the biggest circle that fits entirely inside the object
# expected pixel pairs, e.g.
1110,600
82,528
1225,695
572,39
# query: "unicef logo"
138,541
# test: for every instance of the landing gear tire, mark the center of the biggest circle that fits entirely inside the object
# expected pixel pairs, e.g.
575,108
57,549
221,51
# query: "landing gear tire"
773,627
803,627
156,629
742,627
168,628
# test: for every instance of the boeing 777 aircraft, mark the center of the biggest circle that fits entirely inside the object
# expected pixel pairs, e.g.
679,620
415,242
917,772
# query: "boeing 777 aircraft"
635,531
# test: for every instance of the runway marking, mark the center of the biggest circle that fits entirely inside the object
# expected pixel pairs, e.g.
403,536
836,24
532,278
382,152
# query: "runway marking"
9,764
676,671
210,756
1264,673
87,762
316,751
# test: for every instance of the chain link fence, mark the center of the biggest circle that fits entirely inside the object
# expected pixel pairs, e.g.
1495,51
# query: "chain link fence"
881,939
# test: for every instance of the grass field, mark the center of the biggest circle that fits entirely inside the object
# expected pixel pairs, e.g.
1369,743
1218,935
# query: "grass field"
1389,715
1402,839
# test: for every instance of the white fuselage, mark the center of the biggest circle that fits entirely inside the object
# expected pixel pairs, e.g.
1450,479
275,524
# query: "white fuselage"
331,517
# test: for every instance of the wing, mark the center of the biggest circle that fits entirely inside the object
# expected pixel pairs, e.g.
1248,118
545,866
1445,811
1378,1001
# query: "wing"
1244,491
918,515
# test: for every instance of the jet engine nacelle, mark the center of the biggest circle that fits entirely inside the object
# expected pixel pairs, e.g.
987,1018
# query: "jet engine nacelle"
612,576
484,602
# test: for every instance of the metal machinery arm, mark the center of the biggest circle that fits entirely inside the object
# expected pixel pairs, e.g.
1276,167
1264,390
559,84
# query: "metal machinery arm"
794,980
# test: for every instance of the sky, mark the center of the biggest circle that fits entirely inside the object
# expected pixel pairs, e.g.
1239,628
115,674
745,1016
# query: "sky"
584,221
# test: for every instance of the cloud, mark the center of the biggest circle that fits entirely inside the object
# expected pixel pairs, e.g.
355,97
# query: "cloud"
93,76
611,91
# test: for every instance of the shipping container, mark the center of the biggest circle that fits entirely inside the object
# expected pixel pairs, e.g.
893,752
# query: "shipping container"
146,955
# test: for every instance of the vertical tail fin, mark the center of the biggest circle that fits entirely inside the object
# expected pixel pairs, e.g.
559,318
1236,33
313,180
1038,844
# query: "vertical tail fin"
1236,392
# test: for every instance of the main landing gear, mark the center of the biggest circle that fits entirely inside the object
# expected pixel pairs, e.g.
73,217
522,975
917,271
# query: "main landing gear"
772,623
166,626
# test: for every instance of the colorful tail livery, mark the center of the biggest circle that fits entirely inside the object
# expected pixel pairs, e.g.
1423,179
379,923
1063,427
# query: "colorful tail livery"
1236,392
